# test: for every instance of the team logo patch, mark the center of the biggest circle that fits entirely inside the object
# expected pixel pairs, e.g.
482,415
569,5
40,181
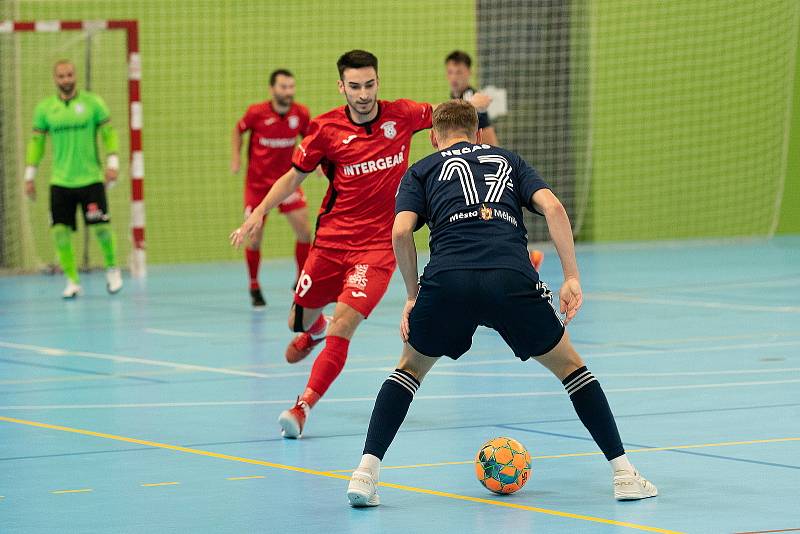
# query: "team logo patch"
486,213
294,122
389,129
269,121
79,108
346,140
94,213
358,279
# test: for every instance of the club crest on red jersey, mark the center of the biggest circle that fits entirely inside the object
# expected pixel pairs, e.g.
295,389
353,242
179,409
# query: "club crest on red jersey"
389,129
294,122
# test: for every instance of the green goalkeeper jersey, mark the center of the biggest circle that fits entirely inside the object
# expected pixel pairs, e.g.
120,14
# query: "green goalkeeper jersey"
72,126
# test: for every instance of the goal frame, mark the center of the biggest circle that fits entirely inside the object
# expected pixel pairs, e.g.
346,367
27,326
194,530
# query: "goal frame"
138,263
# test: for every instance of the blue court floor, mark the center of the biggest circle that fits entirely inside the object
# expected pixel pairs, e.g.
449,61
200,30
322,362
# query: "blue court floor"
155,410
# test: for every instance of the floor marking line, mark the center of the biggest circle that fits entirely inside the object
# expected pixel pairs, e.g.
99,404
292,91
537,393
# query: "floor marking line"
622,375
51,351
178,333
245,478
328,474
154,484
622,297
596,453
769,531
87,490
372,399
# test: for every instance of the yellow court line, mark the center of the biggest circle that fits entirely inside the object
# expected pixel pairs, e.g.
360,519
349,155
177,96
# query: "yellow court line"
328,474
245,478
154,484
576,454
87,490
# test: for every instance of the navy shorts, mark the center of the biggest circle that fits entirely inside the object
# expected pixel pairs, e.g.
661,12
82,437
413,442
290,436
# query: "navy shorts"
451,305
64,201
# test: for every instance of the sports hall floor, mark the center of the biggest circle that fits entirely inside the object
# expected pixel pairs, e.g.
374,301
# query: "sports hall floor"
154,410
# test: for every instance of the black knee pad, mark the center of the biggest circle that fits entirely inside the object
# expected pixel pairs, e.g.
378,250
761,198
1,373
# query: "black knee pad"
298,319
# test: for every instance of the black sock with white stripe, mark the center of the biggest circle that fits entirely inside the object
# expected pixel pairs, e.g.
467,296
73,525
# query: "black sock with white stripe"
390,410
594,412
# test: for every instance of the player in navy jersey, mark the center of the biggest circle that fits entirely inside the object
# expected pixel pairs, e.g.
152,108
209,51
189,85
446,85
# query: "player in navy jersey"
471,196
458,68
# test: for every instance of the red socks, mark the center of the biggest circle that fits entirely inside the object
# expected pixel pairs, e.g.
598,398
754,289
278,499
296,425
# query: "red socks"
327,367
253,258
318,327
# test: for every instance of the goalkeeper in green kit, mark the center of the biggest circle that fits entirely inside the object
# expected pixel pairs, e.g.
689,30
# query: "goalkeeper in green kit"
73,119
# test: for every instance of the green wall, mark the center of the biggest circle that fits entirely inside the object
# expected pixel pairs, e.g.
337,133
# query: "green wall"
204,61
688,116
790,207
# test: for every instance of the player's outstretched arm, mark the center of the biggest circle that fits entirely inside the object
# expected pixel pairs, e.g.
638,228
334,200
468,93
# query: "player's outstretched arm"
406,253
33,156
111,146
236,150
570,295
285,186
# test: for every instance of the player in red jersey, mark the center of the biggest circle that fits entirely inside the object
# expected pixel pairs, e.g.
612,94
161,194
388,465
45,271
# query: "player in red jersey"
274,126
363,149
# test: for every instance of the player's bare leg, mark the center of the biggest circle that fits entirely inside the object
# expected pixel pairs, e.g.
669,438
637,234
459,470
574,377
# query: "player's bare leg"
390,410
252,254
298,220
594,412
327,366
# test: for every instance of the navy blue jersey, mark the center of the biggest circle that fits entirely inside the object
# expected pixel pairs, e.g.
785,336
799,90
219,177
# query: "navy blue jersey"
483,116
471,197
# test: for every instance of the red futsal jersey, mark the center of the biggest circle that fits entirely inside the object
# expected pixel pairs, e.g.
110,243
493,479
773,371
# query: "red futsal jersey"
364,164
272,140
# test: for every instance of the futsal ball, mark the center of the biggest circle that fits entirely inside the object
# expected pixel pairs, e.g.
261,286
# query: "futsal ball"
503,465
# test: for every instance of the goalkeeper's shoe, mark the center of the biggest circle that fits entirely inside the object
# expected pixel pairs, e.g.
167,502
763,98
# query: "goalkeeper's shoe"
113,280
72,290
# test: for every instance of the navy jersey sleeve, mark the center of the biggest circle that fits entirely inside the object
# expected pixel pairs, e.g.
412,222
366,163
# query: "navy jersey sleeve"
528,182
411,196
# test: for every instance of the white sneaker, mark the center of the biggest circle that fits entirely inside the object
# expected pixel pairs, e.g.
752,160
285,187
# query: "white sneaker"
113,280
72,290
293,420
362,490
631,486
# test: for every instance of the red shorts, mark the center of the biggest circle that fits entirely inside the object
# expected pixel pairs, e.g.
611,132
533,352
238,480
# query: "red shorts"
358,278
253,195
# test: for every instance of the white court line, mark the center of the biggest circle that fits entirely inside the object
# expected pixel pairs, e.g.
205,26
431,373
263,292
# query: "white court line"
50,351
663,352
623,375
737,285
178,333
372,399
621,297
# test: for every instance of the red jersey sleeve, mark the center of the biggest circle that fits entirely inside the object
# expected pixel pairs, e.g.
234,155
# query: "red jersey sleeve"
311,151
419,114
246,122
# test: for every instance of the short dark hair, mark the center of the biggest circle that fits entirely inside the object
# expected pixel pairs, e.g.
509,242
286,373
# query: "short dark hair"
455,116
273,77
459,56
356,59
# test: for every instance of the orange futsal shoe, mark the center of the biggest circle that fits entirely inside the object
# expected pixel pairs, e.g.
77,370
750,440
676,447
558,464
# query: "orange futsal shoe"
537,257
301,346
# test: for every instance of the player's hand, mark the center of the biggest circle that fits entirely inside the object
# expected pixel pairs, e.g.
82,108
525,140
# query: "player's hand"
250,229
111,177
404,329
481,101
236,164
571,298
30,190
